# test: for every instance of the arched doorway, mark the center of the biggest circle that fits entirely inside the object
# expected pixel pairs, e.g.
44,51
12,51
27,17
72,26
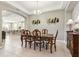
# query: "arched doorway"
12,23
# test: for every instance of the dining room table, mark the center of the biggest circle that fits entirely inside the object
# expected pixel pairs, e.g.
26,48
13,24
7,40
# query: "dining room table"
46,37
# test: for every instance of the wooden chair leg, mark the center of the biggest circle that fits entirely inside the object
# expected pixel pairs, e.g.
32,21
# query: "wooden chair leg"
55,47
25,43
34,45
30,43
40,47
46,46
43,44
21,42
50,48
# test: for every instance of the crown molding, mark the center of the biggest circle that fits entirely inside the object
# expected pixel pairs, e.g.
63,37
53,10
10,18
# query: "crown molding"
62,6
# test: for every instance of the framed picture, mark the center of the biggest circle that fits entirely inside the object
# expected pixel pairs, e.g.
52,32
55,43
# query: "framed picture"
33,22
36,21
53,20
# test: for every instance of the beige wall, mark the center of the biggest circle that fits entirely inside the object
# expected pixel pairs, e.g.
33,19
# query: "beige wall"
14,19
75,13
0,27
27,22
51,27
11,8
68,15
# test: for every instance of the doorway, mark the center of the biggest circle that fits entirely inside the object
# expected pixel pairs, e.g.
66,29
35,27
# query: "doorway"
12,23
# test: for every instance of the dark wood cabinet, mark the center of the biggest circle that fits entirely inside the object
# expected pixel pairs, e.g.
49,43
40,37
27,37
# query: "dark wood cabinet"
73,43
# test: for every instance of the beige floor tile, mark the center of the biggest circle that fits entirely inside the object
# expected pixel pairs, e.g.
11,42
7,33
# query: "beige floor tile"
12,48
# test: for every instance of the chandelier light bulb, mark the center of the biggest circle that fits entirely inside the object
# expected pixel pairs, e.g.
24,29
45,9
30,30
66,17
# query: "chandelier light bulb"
37,12
34,11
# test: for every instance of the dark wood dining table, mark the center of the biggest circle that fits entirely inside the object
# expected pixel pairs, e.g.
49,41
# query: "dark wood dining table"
48,37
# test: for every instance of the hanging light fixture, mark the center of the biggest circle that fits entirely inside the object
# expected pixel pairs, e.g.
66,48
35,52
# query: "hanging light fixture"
37,11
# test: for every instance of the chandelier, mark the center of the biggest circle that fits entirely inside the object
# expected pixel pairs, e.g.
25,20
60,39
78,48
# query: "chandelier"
37,11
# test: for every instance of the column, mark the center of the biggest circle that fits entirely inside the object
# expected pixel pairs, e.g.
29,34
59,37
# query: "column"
26,23
0,28
11,26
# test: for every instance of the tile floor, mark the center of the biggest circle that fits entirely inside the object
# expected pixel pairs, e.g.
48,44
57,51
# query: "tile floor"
12,48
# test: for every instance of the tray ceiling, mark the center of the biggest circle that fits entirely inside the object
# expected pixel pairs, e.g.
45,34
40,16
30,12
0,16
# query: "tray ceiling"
43,6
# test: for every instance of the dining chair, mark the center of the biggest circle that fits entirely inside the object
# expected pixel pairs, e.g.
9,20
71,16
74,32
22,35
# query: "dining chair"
37,38
27,38
22,36
53,41
44,31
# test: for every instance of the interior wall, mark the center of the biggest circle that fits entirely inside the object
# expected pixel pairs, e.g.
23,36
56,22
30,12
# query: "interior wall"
0,27
52,28
68,15
71,15
4,6
27,22
15,20
75,13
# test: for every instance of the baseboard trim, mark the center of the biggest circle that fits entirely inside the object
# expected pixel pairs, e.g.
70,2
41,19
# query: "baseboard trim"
1,45
63,41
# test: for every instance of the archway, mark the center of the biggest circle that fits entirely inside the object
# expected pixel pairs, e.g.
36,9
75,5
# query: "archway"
12,23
